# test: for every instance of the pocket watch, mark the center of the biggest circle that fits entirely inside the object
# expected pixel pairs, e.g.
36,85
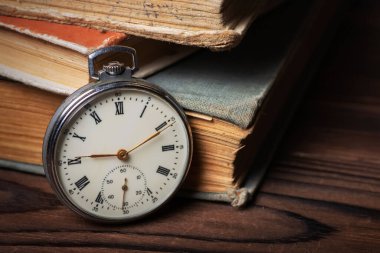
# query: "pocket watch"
119,148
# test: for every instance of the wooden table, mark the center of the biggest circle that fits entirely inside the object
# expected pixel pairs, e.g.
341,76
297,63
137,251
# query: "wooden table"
321,194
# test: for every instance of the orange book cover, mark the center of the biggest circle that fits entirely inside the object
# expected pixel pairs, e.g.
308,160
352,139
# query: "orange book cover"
81,39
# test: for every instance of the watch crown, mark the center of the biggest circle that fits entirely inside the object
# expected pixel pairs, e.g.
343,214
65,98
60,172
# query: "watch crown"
114,68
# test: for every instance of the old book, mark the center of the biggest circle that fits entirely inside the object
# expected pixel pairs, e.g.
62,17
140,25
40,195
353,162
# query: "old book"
55,55
218,24
238,102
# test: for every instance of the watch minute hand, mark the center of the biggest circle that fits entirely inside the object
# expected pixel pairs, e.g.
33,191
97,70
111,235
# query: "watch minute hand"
122,154
150,137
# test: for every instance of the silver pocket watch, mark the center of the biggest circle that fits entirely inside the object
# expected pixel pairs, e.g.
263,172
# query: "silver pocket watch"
119,148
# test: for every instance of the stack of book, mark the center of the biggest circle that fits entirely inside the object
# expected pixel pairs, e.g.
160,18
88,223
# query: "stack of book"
217,24
238,101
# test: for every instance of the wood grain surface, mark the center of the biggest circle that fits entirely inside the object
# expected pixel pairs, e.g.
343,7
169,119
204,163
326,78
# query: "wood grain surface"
321,194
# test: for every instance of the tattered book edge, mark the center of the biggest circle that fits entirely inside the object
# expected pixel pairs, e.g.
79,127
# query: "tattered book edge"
217,40
28,27
238,197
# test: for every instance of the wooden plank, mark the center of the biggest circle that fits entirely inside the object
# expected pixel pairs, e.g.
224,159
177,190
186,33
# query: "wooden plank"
31,216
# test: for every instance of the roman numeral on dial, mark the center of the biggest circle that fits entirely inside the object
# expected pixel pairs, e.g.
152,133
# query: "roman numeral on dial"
96,117
81,183
142,113
163,171
82,138
76,160
167,148
119,108
99,198
161,126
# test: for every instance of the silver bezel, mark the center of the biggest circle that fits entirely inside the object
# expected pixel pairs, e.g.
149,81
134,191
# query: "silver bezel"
73,104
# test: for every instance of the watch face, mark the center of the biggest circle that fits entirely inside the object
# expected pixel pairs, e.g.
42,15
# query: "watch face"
119,153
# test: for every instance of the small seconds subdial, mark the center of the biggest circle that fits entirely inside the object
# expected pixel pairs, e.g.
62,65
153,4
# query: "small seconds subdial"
124,187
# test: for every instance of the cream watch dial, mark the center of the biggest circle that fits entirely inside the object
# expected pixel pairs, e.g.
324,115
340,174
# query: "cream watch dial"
121,155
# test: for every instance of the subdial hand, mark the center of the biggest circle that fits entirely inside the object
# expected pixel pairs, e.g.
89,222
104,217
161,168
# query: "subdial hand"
124,188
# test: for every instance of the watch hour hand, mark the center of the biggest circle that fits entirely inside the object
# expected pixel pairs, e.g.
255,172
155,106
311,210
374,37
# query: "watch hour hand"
122,154
97,155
